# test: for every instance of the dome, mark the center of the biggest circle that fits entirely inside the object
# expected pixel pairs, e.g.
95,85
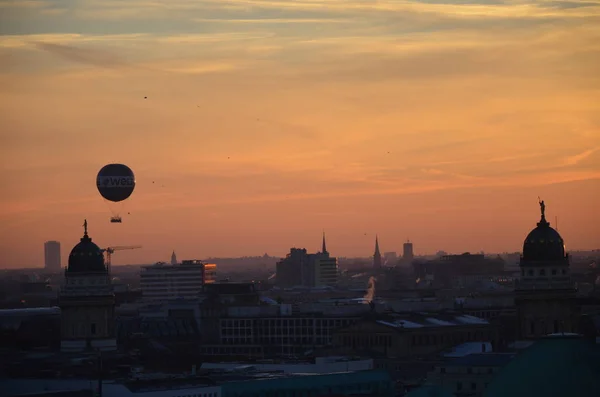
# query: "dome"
86,256
553,366
543,243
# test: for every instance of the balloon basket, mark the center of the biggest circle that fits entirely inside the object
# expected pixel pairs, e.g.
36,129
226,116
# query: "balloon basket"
115,219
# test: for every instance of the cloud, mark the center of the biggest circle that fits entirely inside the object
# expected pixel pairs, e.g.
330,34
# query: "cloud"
268,21
81,55
23,3
576,159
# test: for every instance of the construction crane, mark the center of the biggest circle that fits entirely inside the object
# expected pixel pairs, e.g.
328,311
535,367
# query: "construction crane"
111,250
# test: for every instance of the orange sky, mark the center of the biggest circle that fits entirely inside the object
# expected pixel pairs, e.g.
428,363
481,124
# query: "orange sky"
269,121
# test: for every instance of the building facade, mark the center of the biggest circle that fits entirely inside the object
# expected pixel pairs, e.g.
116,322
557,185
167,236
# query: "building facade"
52,260
300,268
87,301
545,296
161,281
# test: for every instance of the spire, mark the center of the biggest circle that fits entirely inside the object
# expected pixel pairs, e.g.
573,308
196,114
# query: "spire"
173,258
324,248
377,254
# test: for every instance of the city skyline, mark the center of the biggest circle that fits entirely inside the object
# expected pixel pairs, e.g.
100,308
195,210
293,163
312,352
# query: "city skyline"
253,125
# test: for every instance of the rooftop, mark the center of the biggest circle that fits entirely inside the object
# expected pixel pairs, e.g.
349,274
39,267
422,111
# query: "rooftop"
422,320
482,360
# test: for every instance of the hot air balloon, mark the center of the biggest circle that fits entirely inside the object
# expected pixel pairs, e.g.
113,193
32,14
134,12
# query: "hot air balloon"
115,183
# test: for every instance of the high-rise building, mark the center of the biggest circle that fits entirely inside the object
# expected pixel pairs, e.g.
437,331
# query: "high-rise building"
377,254
300,268
180,281
407,252
87,301
52,256
390,257
173,258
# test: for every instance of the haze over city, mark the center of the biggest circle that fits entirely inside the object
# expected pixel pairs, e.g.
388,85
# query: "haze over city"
254,125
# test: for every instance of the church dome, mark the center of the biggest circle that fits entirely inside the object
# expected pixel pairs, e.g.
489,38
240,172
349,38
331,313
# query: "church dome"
86,256
543,243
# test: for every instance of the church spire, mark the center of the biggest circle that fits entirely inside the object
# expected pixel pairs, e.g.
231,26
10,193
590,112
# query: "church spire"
324,248
377,254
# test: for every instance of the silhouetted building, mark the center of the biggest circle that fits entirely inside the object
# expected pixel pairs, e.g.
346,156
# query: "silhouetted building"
299,268
173,258
179,281
453,271
545,294
377,255
87,301
30,328
407,251
390,257
52,256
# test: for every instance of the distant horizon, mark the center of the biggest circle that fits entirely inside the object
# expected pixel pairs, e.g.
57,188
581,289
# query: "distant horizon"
276,257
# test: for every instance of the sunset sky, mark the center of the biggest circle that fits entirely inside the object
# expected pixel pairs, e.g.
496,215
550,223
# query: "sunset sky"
267,122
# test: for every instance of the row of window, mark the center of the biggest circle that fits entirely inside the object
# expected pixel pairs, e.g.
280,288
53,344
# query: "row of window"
542,272
200,395
283,322
275,331
416,340
277,340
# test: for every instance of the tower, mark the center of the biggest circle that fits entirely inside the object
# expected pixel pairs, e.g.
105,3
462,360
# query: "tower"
407,253
173,258
545,294
52,256
87,301
377,254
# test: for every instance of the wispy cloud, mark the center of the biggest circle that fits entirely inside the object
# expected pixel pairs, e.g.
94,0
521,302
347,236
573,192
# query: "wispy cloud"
271,21
81,55
576,159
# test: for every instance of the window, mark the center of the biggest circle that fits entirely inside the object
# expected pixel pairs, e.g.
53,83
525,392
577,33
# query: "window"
542,272
93,329
442,370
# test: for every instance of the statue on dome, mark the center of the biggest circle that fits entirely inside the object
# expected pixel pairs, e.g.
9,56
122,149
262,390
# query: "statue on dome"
542,208
85,226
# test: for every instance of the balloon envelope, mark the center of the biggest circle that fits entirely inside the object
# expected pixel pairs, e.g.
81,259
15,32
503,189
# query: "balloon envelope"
115,182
